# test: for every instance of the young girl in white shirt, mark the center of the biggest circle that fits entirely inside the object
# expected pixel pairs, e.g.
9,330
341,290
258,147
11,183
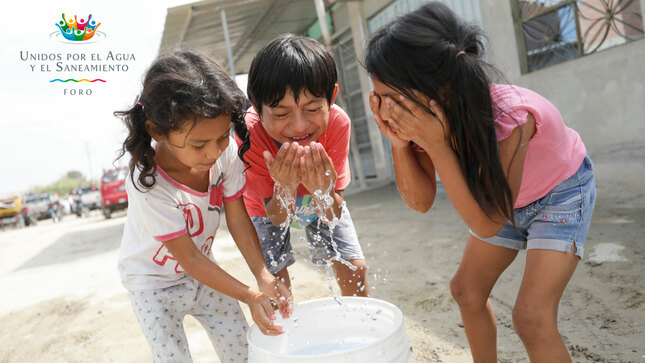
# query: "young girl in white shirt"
179,186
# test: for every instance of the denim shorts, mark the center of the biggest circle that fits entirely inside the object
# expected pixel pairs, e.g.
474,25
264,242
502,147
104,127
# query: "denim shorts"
276,244
557,220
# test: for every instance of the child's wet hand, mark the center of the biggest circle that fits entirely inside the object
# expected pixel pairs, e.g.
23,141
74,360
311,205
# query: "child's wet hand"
278,292
386,127
268,158
424,126
375,102
284,167
263,314
317,169
284,299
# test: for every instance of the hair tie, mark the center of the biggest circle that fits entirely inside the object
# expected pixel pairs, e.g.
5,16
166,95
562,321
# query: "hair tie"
140,104
143,108
460,53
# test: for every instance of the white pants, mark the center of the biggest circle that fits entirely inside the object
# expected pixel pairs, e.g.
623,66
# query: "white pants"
161,312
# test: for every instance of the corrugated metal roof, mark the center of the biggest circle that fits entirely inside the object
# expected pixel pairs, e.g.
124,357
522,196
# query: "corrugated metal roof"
251,24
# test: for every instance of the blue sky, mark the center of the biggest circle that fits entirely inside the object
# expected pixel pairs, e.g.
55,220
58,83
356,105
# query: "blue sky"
44,131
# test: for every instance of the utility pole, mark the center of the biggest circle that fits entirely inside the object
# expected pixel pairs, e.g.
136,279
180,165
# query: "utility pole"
229,48
324,28
89,159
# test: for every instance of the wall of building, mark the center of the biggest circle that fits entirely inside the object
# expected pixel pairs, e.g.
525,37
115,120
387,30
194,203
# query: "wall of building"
601,95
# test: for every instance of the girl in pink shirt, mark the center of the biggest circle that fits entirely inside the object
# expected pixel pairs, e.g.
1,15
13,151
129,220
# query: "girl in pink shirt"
516,174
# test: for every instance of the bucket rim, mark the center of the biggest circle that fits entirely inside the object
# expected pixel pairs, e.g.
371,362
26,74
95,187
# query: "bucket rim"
396,310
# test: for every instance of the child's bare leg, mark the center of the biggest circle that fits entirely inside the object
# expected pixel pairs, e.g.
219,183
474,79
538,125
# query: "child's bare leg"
481,266
352,282
536,310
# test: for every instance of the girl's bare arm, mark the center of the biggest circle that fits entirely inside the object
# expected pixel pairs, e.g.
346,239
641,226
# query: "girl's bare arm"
205,271
415,178
246,239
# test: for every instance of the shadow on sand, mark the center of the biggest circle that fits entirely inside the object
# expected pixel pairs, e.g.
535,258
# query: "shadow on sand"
76,245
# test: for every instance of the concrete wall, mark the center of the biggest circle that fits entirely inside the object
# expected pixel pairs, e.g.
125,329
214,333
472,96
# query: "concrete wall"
368,8
601,95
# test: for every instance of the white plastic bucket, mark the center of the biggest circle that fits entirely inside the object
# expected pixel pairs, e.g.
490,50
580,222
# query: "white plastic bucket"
347,329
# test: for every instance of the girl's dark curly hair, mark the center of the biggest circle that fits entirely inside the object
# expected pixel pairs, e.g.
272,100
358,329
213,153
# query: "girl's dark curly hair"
178,88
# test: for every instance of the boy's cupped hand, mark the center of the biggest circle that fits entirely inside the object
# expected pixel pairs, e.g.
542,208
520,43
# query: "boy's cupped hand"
317,169
284,168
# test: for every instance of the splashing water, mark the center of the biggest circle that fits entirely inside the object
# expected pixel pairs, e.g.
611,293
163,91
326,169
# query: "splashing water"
287,202
323,204
326,203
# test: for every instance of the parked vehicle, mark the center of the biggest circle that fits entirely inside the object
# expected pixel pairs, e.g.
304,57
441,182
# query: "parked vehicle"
90,197
113,191
29,217
77,204
10,211
44,205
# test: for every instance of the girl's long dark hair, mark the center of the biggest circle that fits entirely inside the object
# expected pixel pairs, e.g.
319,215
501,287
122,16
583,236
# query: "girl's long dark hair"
420,51
178,88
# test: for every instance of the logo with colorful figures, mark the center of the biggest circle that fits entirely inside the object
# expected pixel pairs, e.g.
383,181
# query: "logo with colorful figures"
77,31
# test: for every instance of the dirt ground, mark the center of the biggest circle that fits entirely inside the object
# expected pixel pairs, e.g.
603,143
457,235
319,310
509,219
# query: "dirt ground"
62,300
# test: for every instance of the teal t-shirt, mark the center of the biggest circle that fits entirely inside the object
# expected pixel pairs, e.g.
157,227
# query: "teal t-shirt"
304,211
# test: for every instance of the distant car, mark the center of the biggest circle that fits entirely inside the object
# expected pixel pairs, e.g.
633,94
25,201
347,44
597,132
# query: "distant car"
10,211
113,191
89,197
43,205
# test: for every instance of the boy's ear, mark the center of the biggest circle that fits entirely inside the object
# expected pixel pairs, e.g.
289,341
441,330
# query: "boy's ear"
154,132
333,97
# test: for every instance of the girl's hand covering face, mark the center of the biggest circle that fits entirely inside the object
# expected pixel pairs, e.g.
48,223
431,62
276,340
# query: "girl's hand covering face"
384,126
426,127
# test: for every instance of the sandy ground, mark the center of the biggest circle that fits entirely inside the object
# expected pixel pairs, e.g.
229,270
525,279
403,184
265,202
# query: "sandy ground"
62,300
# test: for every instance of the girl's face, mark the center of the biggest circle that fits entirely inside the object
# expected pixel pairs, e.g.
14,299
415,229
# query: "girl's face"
199,145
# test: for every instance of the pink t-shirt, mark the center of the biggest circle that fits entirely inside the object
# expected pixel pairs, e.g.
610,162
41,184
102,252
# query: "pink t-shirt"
335,141
554,153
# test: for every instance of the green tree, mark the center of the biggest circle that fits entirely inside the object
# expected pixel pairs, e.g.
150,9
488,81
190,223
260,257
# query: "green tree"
64,185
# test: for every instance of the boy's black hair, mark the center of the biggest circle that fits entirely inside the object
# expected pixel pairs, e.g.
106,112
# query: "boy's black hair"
291,61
